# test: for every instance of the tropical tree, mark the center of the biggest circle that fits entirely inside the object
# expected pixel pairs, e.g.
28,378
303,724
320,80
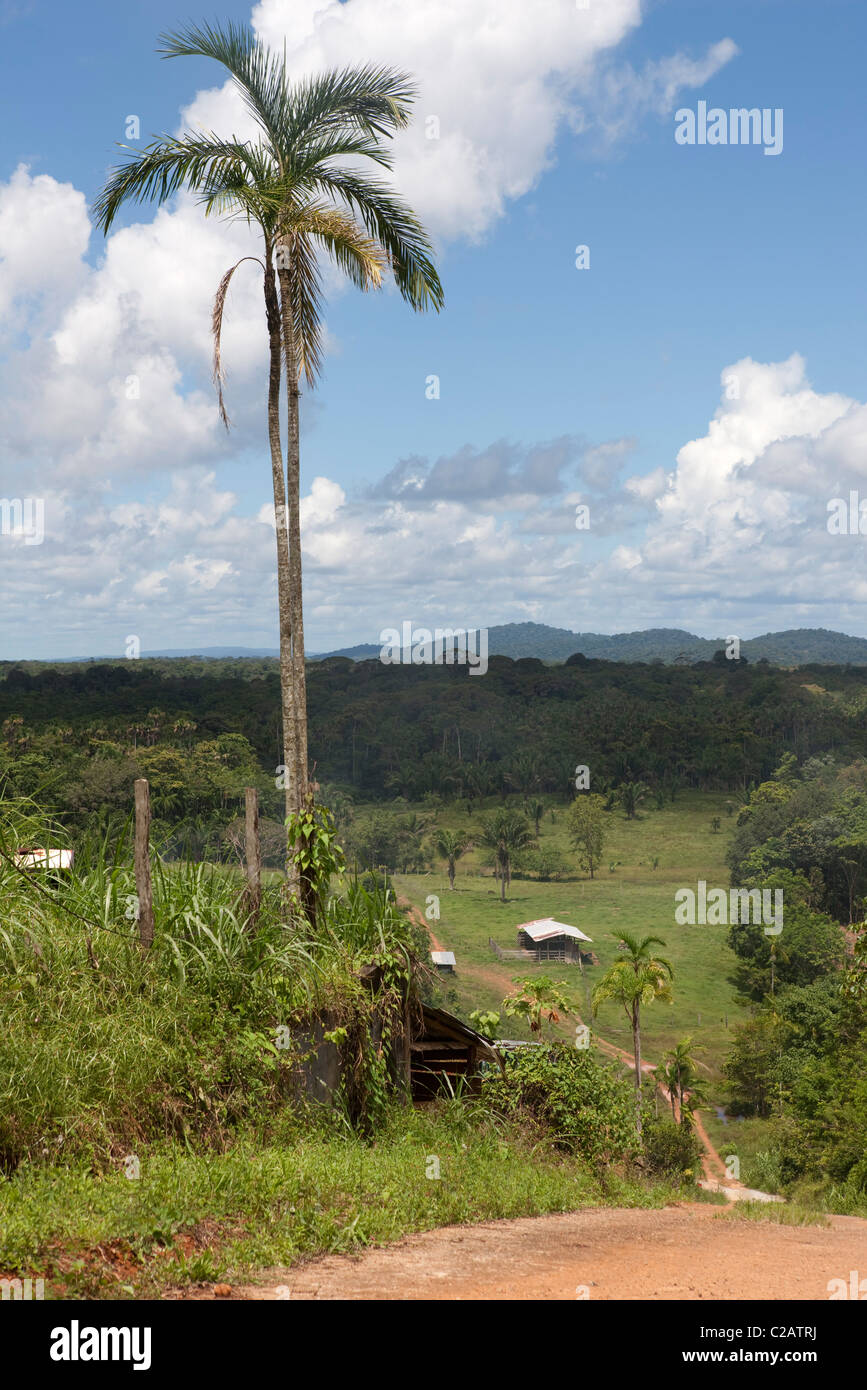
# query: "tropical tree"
682,1080
505,834
665,1077
639,977
538,1001
303,183
450,845
523,773
586,821
536,810
629,794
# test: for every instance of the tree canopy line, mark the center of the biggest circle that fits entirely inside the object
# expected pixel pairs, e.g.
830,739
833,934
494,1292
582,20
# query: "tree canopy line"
77,736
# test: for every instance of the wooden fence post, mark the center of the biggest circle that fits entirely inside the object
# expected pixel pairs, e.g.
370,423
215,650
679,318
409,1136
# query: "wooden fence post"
143,863
254,853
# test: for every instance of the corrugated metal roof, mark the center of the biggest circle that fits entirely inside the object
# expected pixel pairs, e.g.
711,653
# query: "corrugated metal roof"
545,927
44,858
443,957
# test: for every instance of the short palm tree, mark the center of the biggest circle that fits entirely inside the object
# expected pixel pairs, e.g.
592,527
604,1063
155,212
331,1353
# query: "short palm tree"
450,845
639,977
630,794
506,834
665,1076
683,1081
535,999
303,183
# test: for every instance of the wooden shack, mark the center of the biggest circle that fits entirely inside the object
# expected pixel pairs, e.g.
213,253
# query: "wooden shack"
445,1054
550,940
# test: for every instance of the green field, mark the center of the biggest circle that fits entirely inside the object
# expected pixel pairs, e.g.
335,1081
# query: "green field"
634,897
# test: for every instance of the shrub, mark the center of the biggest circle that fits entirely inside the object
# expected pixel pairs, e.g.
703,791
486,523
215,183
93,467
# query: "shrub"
764,1171
571,1097
670,1149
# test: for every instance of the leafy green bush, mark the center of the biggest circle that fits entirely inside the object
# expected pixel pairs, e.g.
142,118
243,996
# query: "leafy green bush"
571,1097
764,1171
670,1149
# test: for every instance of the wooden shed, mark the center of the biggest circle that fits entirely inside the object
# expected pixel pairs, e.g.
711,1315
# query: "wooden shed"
443,1052
550,940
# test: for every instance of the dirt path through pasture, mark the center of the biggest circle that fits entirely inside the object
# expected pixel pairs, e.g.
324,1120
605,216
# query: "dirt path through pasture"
715,1171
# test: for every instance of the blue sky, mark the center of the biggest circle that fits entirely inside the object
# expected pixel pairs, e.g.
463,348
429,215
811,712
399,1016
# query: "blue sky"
707,511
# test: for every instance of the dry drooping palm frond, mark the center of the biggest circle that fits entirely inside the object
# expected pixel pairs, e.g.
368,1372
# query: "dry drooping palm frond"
217,331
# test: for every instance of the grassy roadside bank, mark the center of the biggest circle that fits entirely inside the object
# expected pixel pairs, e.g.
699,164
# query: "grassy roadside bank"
196,1217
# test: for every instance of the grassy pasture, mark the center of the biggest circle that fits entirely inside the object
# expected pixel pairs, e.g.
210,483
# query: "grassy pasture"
633,897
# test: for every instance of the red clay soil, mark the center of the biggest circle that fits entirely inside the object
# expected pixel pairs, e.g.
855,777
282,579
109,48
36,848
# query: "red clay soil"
681,1252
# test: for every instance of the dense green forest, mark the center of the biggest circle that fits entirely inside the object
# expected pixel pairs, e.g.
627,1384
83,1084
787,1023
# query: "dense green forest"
75,736
798,1062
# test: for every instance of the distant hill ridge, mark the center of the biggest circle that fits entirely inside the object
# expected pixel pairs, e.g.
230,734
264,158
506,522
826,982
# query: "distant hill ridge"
795,647
802,646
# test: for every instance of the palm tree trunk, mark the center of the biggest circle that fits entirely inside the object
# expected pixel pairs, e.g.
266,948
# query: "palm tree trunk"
293,476
272,311
636,1044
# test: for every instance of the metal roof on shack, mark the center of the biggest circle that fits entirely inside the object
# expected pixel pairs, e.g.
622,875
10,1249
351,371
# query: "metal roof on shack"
545,927
443,957
44,858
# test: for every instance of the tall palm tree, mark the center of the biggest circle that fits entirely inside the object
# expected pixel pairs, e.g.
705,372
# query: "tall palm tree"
299,182
637,978
450,845
505,835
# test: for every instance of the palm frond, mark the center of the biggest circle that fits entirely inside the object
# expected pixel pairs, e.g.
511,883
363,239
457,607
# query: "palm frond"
304,286
360,257
201,163
377,100
217,332
258,74
395,227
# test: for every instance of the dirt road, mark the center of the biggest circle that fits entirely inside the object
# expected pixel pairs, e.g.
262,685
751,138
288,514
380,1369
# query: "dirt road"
682,1252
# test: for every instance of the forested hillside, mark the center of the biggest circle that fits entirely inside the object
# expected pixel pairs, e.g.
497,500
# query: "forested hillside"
75,737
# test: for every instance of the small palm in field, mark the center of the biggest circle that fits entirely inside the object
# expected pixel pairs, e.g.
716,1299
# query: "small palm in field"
450,845
638,978
630,795
506,835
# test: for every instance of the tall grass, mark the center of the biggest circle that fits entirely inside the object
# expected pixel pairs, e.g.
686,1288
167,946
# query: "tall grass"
103,1048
